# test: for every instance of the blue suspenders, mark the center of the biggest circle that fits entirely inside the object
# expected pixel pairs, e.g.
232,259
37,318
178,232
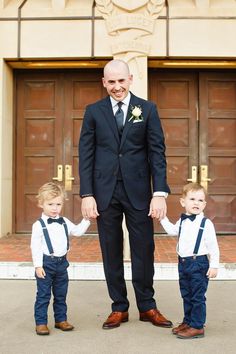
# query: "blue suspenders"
199,236
47,238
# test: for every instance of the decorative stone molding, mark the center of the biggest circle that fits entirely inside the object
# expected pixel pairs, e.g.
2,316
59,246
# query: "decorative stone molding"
130,24
3,3
59,4
202,3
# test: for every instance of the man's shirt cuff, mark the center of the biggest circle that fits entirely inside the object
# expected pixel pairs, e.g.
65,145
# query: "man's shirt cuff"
160,194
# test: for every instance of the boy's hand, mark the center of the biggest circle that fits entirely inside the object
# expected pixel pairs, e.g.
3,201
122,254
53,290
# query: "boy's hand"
212,272
40,272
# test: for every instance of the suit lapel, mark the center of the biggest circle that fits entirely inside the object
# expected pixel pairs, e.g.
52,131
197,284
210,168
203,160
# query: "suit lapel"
109,116
134,101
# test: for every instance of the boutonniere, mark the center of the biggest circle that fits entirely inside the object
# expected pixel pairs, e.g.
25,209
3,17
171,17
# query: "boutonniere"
136,114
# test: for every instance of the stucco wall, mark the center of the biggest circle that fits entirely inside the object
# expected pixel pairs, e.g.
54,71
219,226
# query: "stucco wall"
6,147
199,28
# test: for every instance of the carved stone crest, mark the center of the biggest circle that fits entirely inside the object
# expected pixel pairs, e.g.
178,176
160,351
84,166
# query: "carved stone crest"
130,23
130,5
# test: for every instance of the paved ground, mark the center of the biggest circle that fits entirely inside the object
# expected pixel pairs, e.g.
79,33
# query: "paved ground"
88,306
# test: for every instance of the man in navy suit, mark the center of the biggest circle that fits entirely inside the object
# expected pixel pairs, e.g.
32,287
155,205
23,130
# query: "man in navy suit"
123,171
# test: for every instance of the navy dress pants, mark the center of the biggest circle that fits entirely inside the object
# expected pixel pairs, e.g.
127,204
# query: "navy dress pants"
55,282
193,284
140,228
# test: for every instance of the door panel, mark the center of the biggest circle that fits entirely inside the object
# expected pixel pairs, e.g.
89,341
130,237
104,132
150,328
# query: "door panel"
38,140
80,90
175,94
217,144
49,113
206,139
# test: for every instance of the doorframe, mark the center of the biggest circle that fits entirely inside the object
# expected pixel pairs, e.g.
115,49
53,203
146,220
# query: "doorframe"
178,63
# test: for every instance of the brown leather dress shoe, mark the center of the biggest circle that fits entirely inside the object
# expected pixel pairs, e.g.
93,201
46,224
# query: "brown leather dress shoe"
180,328
115,319
42,330
191,333
64,326
156,318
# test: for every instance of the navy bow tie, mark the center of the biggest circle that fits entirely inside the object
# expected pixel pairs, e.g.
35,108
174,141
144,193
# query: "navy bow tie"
59,220
190,217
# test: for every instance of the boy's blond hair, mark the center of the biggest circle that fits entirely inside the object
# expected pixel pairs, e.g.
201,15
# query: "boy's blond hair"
193,187
50,190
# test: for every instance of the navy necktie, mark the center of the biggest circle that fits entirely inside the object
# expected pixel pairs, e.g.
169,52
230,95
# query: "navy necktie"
119,117
190,217
59,220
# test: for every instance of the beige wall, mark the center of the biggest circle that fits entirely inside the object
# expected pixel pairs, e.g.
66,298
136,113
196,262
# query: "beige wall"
6,148
195,29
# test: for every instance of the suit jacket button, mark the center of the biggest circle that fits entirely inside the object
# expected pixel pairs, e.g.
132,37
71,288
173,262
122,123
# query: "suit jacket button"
120,155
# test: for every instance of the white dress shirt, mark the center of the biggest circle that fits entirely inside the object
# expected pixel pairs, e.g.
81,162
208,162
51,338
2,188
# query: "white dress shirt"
188,237
57,236
124,108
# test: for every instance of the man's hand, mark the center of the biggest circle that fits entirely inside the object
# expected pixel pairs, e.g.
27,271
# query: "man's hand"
89,208
40,272
158,208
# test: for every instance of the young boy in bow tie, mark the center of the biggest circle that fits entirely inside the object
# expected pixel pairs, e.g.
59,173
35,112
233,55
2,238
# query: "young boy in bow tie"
49,246
198,255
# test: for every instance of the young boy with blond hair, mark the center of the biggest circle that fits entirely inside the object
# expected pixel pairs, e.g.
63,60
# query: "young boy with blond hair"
198,255
49,246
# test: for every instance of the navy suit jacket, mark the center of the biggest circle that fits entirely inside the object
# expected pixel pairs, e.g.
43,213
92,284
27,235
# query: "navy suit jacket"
140,154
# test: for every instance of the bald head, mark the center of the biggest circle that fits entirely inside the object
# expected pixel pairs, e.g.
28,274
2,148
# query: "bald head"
116,65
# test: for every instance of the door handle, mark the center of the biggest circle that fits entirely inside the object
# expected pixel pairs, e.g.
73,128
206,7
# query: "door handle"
68,177
194,175
59,177
204,176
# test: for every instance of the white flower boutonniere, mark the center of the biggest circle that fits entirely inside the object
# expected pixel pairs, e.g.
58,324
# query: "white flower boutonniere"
136,114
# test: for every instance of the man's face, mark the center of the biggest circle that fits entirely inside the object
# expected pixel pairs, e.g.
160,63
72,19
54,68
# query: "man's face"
117,82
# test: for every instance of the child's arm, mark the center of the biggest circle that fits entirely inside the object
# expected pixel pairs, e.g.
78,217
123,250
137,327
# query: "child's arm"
212,244
212,272
36,245
213,249
170,229
81,228
40,272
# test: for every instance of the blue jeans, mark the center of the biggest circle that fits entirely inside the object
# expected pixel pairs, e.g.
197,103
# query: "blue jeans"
55,281
193,284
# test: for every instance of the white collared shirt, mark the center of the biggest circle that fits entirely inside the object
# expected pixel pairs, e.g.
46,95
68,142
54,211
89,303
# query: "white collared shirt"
124,106
57,236
188,237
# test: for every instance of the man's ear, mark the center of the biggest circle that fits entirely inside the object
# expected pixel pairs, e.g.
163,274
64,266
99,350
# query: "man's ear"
104,82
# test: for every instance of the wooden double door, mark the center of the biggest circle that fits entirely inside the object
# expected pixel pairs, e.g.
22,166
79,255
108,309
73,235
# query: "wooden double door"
198,113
